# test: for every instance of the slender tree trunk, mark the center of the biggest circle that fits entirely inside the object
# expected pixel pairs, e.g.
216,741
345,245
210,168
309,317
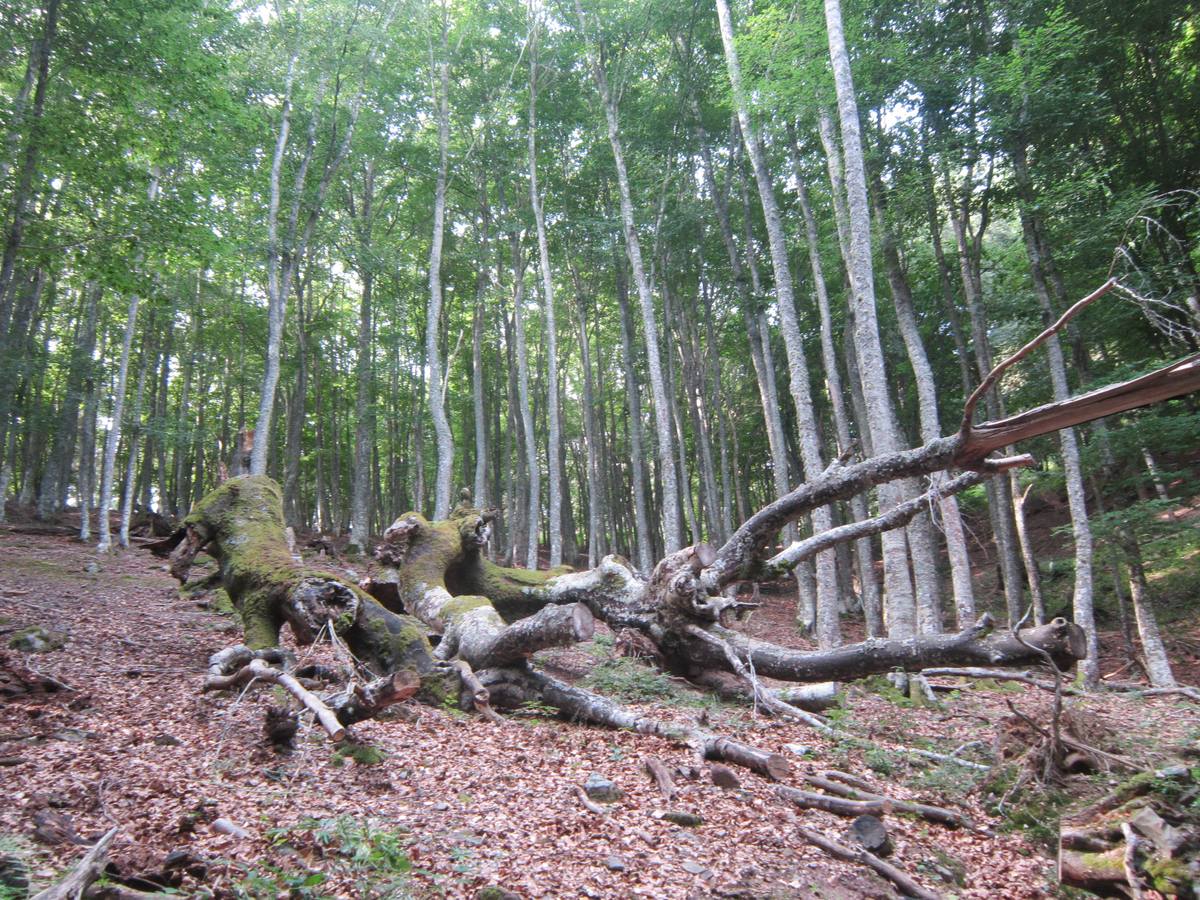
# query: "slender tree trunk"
87,449
58,467
884,430
297,408
433,365
364,424
869,586
999,502
532,518
554,438
828,601
480,493
135,435
633,249
118,407
931,429
23,192
1083,599
1158,665
637,460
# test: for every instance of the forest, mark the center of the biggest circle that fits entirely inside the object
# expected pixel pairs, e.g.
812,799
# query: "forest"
635,448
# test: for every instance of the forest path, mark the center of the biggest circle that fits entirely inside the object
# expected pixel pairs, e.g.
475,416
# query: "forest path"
454,803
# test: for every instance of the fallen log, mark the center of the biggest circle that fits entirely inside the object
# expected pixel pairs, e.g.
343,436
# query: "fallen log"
902,880
837,805
81,876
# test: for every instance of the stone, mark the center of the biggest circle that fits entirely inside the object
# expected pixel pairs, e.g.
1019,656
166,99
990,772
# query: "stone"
615,864
696,868
724,777
601,789
36,639
872,835
798,749
167,740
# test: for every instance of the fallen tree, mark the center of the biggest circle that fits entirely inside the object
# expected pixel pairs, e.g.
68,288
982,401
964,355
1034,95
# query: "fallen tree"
438,617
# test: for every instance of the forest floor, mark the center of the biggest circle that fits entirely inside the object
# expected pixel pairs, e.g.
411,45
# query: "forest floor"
434,802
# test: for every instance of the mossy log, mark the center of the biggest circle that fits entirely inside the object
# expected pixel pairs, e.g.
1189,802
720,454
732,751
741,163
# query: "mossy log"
240,525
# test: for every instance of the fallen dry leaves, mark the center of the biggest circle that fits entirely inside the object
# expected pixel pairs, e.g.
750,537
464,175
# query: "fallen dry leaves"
136,744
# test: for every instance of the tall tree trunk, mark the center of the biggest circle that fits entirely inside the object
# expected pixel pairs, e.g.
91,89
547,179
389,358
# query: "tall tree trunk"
58,467
637,460
869,586
1083,598
931,429
23,192
480,493
297,408
136,430
433,365
364,419
999,502
554,437
87,449
633,249
881,416
532,518
118,406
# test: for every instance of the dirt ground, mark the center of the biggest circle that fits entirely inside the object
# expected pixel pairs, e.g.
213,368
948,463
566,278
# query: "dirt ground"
449,804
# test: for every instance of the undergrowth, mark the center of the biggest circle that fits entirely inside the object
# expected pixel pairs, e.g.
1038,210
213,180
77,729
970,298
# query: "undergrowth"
362,850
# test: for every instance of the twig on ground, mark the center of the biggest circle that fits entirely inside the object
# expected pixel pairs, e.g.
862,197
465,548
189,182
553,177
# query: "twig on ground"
840,851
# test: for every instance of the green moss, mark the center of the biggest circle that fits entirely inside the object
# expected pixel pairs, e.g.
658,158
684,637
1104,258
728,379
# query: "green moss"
441,687
36,639
1167,876
362,754
457,607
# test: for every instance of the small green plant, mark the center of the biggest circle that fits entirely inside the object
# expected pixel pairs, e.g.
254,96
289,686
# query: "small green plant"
362,754
628,680
375,857
880,761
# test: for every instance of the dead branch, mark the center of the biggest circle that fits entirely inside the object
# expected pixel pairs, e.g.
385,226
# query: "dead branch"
837,805
897,517
258,670
1005,364
937,814
900,879
83,874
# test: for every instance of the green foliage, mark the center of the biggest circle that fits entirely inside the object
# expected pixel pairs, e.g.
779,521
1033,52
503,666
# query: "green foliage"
362,849
631,681
361,754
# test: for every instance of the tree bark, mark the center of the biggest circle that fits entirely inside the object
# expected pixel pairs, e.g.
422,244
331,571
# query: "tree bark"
554,428
433,365
881,416
828,628
633,249
1083,597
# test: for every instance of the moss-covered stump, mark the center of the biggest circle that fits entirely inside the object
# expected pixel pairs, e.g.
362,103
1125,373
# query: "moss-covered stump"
240,525
1148,829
